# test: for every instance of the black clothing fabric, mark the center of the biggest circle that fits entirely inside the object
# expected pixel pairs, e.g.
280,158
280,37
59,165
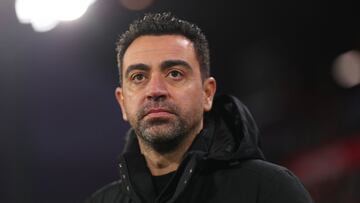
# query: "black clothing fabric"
223,164
161,181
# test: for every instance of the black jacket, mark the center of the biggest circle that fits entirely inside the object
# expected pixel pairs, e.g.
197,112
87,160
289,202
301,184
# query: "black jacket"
224,164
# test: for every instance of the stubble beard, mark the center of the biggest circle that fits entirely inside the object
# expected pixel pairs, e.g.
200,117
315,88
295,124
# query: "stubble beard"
165,135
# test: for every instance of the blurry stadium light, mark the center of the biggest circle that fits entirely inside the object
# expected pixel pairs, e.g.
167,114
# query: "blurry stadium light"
44,15
346,69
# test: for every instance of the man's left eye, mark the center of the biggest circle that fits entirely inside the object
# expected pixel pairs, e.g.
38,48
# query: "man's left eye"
175,74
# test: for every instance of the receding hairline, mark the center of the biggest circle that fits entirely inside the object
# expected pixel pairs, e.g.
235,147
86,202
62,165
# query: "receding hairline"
156,36
191,43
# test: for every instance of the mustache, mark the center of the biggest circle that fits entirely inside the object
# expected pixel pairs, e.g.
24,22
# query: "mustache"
165,105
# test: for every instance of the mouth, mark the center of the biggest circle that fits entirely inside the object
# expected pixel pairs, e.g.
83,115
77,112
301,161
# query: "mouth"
158,112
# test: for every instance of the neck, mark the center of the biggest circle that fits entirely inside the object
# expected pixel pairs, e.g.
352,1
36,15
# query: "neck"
164,163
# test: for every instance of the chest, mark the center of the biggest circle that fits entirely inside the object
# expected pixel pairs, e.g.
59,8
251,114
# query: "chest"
224,186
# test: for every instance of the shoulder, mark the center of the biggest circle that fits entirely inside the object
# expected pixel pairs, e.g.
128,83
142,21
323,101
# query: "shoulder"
275,182
265,169
269,172
109,193
258,169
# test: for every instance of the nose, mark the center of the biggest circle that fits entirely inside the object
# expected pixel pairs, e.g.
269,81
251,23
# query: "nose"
156,88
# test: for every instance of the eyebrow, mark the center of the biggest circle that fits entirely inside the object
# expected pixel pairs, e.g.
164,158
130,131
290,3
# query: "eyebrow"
163,66
170,63
138,66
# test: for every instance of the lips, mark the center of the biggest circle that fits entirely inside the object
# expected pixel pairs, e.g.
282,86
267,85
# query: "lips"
157,109
158,112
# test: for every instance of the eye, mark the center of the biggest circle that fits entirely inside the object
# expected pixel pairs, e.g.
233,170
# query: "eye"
137,77
175,74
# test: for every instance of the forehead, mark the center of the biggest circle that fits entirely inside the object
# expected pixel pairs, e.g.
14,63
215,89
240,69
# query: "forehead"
150,49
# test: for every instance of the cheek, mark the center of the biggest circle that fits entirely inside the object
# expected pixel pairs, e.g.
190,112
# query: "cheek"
130,104
193,99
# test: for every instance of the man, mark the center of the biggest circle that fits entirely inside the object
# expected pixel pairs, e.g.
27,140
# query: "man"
185,145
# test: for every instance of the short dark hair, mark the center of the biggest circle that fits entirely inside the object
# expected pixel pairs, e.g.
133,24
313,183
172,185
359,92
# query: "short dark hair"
165,24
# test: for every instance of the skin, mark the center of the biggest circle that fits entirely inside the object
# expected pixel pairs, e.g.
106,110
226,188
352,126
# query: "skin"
164,70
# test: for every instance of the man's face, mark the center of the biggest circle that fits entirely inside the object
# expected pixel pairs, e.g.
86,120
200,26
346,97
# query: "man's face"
162,94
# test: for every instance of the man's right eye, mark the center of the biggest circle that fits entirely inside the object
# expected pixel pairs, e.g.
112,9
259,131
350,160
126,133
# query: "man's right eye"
138,77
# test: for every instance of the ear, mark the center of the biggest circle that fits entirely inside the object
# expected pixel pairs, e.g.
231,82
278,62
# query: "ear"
209,92
120,99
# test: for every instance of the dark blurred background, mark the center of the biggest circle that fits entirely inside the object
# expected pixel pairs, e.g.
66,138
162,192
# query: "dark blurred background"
295,64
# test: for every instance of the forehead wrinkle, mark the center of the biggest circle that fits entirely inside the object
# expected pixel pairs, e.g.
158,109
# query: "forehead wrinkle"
148,43
145,49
